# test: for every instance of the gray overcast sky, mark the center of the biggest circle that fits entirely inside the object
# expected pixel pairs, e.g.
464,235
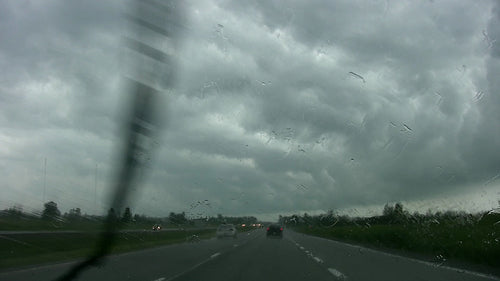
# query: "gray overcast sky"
280,107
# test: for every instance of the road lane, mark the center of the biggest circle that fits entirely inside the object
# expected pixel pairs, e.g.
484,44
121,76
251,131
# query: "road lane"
262,259
253,257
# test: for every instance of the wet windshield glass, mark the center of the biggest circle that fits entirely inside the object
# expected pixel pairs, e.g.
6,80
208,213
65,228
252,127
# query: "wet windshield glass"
367,130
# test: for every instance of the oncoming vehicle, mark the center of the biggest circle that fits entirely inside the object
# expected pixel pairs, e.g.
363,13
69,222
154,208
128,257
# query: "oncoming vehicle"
274,230
156,227
226,230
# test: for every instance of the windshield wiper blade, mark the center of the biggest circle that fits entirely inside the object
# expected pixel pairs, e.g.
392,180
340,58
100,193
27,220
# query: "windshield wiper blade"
141,127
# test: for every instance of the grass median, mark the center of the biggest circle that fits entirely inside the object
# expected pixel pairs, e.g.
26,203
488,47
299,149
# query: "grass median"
24,249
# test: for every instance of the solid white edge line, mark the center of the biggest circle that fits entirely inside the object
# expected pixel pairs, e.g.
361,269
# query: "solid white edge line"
215,255
160,279
336,273
459,270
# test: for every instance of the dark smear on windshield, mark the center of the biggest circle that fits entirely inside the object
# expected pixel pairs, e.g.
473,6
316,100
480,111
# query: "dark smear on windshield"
357,76
143,122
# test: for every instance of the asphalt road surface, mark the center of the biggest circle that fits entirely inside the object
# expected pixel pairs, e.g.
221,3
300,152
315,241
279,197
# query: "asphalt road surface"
253,257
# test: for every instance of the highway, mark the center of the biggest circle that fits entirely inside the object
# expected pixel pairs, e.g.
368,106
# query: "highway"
253,257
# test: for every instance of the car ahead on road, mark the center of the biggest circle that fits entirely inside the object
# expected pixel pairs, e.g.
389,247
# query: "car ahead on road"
274,230
226,230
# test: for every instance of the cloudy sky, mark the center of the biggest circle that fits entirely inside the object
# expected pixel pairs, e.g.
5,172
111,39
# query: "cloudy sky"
278,106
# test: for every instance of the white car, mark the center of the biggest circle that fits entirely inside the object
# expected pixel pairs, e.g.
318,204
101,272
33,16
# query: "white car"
226,230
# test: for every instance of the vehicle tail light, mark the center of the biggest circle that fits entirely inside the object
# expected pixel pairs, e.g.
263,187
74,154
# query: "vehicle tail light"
281,228
268,229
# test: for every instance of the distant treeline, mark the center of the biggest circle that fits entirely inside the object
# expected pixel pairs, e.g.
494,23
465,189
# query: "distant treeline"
15,218
394,215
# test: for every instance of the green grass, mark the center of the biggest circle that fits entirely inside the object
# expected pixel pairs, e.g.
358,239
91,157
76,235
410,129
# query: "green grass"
30,224
28,249
471,243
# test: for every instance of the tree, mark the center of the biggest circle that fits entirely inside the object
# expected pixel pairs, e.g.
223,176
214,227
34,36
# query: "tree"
112,216
396,214
137,218
177,218
306,218
127,215
388,210
401,214
398,208
14,212
74,214
50,212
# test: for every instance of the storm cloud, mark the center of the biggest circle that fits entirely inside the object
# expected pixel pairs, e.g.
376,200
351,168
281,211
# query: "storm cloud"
280,106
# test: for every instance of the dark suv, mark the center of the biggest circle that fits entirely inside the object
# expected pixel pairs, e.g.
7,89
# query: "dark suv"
274,230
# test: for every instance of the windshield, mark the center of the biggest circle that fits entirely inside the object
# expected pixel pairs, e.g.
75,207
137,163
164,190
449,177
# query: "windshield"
131,131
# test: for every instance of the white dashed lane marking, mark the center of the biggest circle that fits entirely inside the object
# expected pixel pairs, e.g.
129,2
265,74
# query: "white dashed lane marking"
318,260
337,273
215,255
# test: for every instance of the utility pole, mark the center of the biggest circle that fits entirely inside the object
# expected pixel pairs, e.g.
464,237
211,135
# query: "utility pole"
95,189
44,178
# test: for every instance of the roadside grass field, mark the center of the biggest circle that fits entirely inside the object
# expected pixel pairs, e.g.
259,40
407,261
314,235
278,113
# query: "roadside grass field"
23,249
476,243
27,224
